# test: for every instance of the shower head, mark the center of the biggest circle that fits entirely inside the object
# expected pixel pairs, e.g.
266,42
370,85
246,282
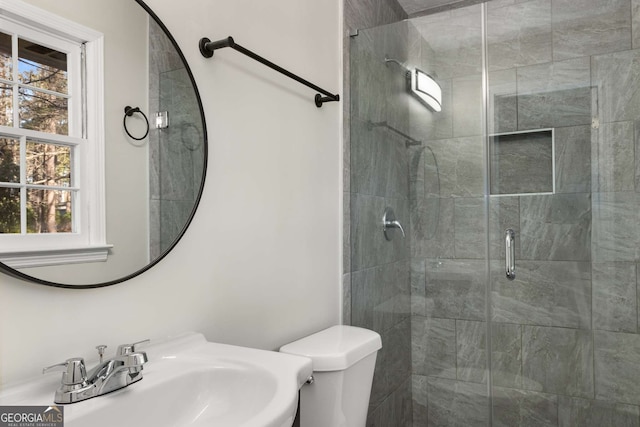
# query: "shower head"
395,61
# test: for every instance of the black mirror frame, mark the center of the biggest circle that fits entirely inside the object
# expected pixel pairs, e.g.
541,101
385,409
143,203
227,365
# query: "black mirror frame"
17,274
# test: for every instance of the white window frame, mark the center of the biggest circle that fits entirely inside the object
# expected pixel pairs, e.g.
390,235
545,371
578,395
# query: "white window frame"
88,243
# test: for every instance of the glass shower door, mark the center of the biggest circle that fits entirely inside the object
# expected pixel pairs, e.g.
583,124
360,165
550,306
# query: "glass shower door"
425,294
380,267
449,227
561,144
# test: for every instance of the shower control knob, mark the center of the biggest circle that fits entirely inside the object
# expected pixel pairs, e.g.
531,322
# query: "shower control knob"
390,223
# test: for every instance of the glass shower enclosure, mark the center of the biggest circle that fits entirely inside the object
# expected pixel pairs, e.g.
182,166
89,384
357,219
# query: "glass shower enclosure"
536,139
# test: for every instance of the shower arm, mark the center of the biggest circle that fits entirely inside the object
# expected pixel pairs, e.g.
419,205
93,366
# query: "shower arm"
384,124
395,61
207,47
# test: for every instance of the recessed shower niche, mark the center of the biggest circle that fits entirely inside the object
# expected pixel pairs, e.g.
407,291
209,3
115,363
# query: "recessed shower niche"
522,162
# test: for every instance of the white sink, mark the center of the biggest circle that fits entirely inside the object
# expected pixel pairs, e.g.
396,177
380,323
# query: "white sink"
188,382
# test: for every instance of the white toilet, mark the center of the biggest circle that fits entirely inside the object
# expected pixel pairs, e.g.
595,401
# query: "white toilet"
344,358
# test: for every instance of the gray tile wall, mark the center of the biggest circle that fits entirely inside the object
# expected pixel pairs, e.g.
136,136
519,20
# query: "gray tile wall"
564,335
358,14
376,278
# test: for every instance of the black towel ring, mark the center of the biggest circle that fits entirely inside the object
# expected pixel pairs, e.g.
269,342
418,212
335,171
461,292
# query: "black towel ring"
128,112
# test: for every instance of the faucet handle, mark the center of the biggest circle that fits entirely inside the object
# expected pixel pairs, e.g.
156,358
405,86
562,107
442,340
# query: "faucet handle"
100,349
74,371
130,348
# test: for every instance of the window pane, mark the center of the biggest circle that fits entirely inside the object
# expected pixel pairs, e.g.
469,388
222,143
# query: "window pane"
49,211
9,210
5,56
9,160
43,112
42,67
6,105
48,164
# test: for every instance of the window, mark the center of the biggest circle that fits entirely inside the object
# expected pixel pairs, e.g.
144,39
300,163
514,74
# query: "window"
51,140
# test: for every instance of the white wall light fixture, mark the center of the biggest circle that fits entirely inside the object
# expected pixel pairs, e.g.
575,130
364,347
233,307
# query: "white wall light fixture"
425,88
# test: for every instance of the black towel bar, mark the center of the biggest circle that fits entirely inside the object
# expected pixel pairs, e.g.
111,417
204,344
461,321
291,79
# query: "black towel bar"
207,47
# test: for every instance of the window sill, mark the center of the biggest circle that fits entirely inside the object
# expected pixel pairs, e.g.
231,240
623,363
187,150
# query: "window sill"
48,257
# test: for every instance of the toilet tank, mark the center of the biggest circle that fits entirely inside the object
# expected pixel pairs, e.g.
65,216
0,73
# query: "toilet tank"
344,359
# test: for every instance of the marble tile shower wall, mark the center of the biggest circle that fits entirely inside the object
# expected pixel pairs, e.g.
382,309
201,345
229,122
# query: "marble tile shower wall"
380,269
565,342
358,14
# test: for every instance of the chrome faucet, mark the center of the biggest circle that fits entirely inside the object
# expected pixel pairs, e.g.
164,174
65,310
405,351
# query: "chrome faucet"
124,369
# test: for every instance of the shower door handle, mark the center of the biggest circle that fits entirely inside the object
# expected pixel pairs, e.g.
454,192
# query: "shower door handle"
510,253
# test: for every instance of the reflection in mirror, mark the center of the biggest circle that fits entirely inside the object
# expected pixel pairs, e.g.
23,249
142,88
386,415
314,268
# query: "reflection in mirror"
153,186
177,150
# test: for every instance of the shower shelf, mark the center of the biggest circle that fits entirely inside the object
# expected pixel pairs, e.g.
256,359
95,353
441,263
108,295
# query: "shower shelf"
522,163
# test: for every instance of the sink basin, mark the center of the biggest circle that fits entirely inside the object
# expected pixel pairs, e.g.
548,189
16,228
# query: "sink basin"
188,382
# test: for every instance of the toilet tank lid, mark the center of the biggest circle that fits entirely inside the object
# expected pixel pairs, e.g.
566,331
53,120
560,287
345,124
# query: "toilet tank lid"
336,348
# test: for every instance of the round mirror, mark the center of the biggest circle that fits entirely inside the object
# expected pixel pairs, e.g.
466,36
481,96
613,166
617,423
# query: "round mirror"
154,157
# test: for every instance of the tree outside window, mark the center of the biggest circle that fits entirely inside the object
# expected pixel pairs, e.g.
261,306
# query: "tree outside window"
42,84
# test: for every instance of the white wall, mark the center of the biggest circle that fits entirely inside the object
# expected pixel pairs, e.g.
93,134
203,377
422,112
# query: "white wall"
260,265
